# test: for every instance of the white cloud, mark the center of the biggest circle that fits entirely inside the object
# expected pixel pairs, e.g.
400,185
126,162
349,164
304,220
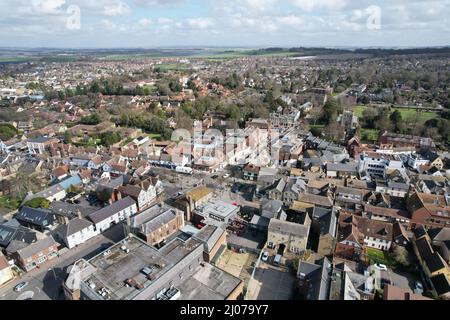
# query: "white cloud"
47,6
116,9
310,5
144,22
200,23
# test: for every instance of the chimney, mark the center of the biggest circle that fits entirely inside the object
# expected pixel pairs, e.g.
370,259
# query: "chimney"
79,214
119,195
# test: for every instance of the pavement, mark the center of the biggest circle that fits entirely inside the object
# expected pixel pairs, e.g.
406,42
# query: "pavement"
45,283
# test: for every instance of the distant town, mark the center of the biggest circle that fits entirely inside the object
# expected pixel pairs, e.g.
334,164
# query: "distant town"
263,174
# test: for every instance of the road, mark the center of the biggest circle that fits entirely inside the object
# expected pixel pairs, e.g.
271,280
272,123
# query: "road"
45,282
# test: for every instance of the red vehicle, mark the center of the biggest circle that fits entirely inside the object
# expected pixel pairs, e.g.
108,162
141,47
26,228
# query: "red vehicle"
200,226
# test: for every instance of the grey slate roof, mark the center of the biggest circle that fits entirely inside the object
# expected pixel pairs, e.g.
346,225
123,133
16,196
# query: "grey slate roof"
76,225
112,209
38,217
36,247
292,228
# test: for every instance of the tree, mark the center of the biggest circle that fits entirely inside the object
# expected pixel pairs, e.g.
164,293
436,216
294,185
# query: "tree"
330,111
396,118
93,119
401,256
38,203
7,131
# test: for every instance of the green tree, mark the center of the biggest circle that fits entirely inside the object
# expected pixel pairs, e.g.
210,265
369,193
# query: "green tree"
38,203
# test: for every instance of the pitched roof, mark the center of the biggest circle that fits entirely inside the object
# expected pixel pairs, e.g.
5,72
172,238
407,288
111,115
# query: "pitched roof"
291,228
38,217
36,247
111,210
75,225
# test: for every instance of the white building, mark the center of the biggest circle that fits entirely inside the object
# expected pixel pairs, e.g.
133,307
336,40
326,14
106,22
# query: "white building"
111,215
77,232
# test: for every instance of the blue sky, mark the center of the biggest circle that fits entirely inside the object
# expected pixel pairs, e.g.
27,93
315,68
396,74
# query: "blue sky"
238,23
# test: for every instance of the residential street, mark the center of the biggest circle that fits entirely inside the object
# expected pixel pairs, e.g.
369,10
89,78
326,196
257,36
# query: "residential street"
45,283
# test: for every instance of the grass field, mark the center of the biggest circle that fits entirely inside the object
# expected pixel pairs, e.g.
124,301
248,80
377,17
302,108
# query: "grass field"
408,115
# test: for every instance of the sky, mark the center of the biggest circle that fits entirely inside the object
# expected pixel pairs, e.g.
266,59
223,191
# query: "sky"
224,23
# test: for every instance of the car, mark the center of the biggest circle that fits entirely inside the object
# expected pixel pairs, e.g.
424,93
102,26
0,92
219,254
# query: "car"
214,177
381,267
226,176
265,256
419,286
235,204
20,286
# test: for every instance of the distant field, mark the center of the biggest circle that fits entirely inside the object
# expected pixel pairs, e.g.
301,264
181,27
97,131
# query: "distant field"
172,67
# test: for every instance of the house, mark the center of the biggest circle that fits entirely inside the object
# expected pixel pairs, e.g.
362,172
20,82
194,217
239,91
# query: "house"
6,273
192,200
386,214
77,231
357,232
157,223
342,170
390,140
95,162
313,200
30,256
111,215
60,172
292,191
314,279
324,223
349,198
284,235
433,159
428,210
216,212
391,292
38,219
144,192
269,209
53,193
435,267
213,238
251,172
40,145
394,189
277,192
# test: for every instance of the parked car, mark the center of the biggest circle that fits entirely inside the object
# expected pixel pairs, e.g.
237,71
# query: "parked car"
20,286
380,266
419,286
265,256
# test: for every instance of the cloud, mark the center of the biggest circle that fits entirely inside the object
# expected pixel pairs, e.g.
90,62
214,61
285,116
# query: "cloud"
116,9
310,5
144,22
47,6
200,23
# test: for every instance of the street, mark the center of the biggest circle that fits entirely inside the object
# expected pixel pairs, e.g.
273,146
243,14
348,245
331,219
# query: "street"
45,283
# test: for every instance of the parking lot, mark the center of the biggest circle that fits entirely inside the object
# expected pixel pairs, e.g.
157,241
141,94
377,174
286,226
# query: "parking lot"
271,283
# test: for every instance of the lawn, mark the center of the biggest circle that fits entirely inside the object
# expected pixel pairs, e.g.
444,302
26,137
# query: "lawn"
408,115
154,136
379,256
